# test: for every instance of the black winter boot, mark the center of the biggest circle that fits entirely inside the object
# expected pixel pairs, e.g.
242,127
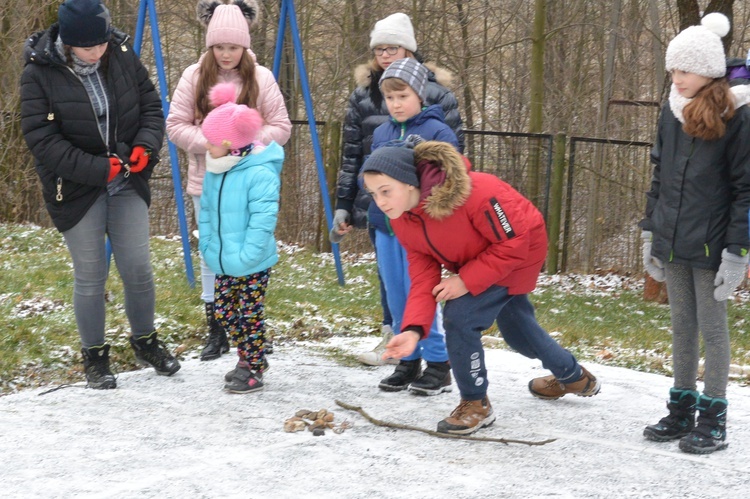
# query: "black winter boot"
681,418
96,367
710,433
406,372
152,352
435,379
217,343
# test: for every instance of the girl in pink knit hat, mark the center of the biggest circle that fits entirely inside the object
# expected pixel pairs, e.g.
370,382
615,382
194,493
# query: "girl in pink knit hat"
239,209
228,59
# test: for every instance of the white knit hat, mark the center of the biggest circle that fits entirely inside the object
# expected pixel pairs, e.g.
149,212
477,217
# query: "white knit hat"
395,29
698,49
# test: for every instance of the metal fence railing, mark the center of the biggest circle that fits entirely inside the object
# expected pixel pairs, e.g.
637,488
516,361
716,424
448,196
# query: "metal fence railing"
603,196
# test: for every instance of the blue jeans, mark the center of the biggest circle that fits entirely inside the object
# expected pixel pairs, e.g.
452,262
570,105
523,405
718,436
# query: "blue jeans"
394,271
124,218
387,318
465,319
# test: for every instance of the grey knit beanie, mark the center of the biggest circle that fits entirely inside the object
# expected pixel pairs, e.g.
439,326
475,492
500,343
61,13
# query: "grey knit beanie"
396,162
411,72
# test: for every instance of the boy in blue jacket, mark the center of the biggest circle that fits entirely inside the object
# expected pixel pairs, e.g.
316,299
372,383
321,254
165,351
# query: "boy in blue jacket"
239,210
403,84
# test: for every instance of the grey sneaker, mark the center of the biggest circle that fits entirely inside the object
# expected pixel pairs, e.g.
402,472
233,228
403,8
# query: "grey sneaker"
245,379
264,367
375,356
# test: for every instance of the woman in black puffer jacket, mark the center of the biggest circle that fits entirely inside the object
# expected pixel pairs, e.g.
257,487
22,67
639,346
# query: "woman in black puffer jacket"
94,123
391,39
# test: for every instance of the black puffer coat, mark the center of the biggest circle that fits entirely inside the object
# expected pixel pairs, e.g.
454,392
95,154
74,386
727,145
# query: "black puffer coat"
700,193
60,126
367,111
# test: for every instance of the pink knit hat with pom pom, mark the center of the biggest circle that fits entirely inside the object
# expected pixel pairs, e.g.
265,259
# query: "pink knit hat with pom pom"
230,125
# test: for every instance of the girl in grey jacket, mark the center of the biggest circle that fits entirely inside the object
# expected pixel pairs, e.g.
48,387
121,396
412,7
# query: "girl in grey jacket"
696,227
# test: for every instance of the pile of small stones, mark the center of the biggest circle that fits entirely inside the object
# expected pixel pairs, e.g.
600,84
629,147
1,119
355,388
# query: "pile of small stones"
314,421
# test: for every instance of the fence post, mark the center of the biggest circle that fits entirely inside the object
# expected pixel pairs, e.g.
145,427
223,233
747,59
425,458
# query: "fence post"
555,203
332,160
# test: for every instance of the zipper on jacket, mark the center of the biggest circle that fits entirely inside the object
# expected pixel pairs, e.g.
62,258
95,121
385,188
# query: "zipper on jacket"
51,117
673,237
429,242
218,225
93,111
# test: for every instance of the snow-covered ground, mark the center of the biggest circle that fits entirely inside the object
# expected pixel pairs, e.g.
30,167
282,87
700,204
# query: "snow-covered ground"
184,437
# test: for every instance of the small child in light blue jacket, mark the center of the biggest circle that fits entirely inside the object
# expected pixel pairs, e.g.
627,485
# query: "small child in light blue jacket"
239,210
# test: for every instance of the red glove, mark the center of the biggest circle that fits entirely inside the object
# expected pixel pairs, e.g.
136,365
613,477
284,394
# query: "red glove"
114,168
139,159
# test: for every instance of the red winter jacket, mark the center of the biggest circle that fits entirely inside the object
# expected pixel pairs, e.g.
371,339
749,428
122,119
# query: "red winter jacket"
472,224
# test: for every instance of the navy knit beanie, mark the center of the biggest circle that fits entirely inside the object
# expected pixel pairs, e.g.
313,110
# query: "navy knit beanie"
396,162
84,23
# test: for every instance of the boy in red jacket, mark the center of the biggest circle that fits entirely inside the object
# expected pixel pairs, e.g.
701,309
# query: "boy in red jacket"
493,240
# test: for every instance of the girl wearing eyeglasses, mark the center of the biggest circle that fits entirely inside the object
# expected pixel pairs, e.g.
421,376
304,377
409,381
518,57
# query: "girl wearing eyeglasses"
391,39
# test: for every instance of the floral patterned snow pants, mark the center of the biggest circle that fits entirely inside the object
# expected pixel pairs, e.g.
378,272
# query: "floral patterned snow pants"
239,306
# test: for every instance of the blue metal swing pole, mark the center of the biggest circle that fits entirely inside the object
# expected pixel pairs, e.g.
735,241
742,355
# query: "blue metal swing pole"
288,11
173,159
280,40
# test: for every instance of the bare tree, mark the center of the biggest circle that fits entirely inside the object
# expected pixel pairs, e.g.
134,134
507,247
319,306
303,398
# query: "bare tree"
690,15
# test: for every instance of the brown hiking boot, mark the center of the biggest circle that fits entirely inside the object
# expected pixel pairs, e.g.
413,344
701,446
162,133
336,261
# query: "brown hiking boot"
468,417
549,388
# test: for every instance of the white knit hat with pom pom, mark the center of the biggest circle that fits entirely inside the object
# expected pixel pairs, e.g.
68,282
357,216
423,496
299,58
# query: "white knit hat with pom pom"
698,49
230,125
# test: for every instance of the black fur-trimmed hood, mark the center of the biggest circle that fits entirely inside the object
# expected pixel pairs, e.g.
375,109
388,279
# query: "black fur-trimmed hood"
363,75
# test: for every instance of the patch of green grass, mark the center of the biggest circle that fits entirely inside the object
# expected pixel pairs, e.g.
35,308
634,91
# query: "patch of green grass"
619,328
39,341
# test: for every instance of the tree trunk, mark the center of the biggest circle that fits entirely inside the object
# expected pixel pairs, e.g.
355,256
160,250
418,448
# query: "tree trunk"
593,217
690,15
536,105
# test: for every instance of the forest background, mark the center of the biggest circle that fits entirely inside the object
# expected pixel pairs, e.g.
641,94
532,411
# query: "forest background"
558,97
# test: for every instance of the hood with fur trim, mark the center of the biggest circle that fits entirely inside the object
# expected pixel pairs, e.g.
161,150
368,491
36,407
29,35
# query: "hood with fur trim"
443,196
363,75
